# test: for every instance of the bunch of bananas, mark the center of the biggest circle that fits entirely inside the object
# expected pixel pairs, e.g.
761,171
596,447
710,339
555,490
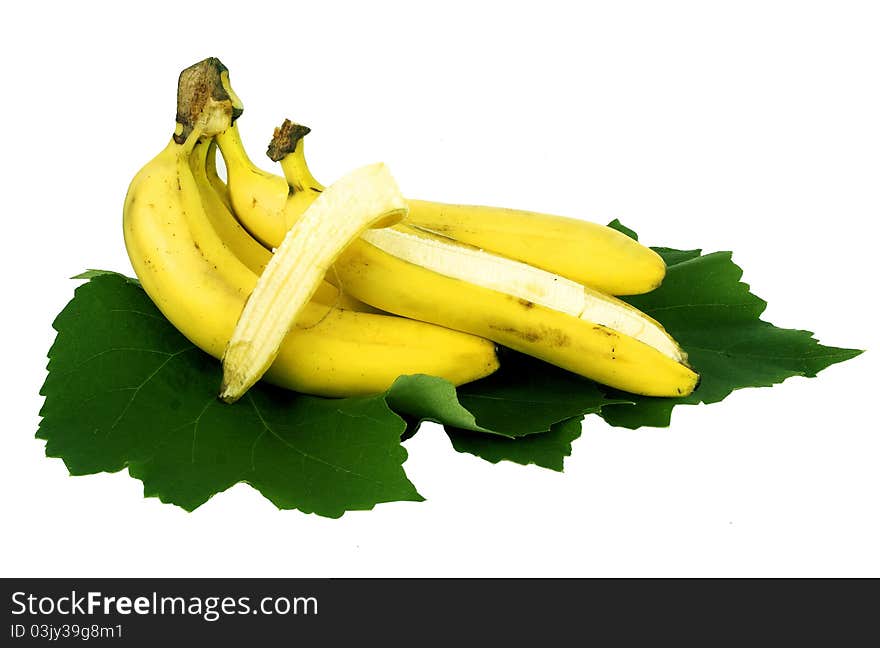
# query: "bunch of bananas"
429,294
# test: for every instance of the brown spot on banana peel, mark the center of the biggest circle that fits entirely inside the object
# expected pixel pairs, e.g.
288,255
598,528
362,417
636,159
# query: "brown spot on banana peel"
528,336
525,303
553,337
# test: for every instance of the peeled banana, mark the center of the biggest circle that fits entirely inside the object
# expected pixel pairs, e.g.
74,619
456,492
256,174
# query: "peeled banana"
608,340
364,198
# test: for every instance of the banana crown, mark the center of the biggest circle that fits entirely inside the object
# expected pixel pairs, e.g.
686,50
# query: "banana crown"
455,276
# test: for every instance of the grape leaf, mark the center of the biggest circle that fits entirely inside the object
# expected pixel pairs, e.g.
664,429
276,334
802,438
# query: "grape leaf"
526,396
547,450
125,389
623,229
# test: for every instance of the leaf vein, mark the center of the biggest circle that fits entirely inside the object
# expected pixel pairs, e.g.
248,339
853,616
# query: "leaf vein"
303,454
141,386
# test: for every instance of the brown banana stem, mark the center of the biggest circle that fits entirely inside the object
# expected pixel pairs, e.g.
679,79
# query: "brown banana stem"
205,100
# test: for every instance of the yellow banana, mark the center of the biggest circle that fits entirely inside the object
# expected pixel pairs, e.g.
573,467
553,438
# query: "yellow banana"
591,254
231,233
201,286
259,207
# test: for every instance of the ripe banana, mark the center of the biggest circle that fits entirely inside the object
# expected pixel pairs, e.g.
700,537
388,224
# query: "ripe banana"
232,235
259,197
367,197
591,254
201,286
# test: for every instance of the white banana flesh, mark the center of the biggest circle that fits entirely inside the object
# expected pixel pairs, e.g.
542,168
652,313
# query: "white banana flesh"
471,264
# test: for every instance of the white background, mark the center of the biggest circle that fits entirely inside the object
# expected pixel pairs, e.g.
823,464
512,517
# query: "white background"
751,126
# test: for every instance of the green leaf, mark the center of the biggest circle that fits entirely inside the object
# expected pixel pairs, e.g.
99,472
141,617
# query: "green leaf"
125,389
547,450
94,274
704,305
428,398
623,229
526,396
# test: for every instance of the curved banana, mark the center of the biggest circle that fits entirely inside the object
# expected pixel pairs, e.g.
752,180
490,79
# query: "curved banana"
230,231
591,254
259,207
